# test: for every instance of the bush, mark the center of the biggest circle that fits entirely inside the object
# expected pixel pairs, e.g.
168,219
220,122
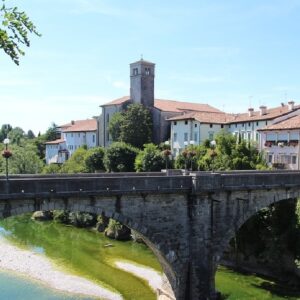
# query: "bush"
120,157
150,159
94,159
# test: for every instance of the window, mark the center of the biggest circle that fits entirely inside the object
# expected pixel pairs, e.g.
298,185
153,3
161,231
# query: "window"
235,125
210,136
107,118
147,71
222,126
175,137
196,125
107,135
257,136
229,126
249,124
196,136
93,138
210,125
135,71
249,136
186,122
243,124
270,158
185,136
175,123
78,134
256,123
266,122
71,134
294,159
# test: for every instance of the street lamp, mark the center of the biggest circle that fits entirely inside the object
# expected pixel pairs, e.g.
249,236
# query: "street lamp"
213,154
167,153
6,154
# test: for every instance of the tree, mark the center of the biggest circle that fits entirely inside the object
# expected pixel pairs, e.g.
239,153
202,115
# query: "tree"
150,159
120,157
115,125
4,131
14,31
25,161
94,159
51,133
30,135
16,135
76,163
133,126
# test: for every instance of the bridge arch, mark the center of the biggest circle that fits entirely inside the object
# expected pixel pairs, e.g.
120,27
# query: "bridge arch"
161,247
248,204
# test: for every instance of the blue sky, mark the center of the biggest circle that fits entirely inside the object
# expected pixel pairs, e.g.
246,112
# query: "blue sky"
230,54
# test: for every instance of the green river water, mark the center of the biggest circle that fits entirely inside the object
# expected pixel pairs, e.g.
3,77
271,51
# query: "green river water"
83,253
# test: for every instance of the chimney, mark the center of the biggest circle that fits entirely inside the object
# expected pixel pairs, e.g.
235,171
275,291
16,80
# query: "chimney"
263,110
291,105
72,122
250,111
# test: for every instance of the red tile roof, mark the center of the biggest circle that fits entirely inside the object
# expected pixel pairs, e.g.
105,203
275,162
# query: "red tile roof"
117,101
81,126
55,142
170,105
178,106
288,124
203,117
271,113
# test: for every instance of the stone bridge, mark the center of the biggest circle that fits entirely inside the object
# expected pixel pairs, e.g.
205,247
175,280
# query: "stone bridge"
187,220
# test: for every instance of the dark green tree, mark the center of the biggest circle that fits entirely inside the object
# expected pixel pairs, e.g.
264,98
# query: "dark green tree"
136,126
115,125
94,159
30,135
120,157
76,163
4,131
15,26
16,135
51,133
149,159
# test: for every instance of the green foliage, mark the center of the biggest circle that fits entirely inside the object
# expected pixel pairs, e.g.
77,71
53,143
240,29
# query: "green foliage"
120,157
76,163
25,161
14,31
94,159
30,135
134,126
272,235
51,133
16,135
115,125
229,155
51,169
4,131
150,159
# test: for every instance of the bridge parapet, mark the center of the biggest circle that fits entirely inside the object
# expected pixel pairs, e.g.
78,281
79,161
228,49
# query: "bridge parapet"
77,186
245,180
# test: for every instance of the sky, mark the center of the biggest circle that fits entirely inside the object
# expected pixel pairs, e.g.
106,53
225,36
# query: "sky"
229,54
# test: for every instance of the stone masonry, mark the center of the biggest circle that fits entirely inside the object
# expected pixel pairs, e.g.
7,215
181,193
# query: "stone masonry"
187,220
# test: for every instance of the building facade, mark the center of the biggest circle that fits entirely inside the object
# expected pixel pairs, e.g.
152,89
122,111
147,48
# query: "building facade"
142,75
73,135
280,143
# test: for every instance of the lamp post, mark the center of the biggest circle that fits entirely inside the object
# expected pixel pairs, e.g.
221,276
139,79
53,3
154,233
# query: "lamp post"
192,153
213,154
6,154
167,153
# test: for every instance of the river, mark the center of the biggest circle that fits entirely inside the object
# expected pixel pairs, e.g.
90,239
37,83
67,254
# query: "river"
82,252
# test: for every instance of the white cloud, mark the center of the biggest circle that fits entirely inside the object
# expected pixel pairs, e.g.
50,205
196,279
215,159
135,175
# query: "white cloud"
120,85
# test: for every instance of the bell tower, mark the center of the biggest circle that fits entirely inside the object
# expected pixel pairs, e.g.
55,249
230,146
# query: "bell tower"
142,74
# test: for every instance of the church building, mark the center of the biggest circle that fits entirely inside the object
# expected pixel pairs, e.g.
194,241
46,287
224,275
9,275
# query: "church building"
142,75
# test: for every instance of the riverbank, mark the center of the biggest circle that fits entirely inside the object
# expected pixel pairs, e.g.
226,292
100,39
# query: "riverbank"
37,267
